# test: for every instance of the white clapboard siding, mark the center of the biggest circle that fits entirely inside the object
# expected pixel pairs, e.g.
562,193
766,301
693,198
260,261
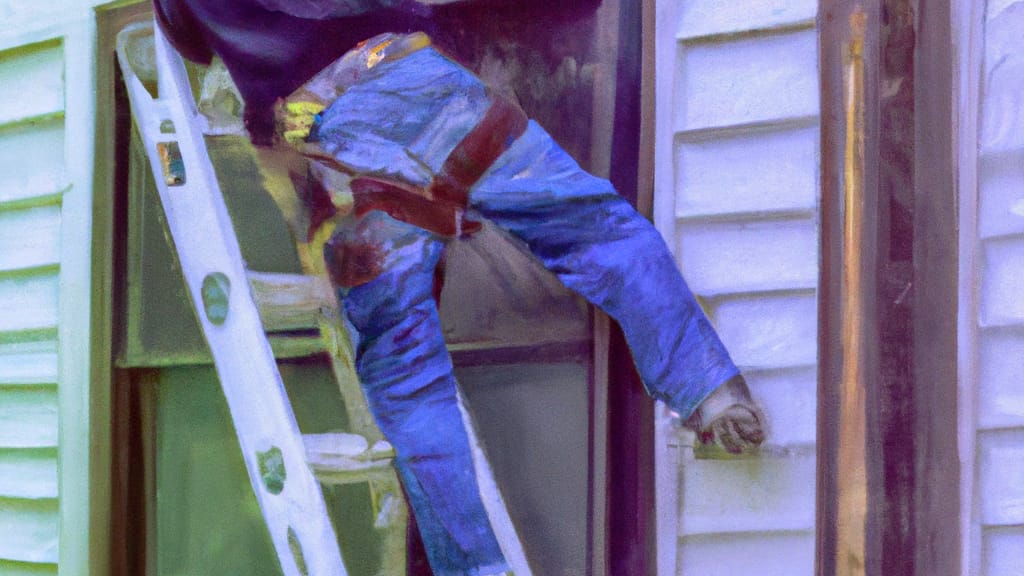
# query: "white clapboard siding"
769,331
29,302
31,159
997,507
732,257
29,238
748,80
1001,195
28,363
737,197
1001,382
728,496
760,554
1002,281
713,17
789,400
30,531
1003,551
28,418
1001,477
750,172
28,474
39,67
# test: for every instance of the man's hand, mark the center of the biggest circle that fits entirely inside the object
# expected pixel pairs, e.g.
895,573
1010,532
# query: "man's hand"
730,418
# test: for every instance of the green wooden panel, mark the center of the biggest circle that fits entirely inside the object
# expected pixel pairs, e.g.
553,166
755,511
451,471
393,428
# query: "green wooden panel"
29,303
30,530
28,418
8,568
28,474
28,363
33,81
29,238
32,159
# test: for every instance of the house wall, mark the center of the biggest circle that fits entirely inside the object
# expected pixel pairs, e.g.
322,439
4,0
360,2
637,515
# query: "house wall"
995,284
46,140
737,154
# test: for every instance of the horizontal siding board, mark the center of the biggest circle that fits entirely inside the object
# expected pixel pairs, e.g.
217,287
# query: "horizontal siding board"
764,171
761,554
30,530
747,80
29,238
28,418
31,160
1001,372
776,331
1001,477
727,258
1003,551
28,474
1001,194
713,17
1002,281
33,81
747,495
29,303
1002,123
28,363
789,401
9,568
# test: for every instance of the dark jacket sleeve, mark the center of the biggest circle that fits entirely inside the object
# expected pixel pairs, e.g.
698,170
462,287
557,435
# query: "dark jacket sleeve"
180,27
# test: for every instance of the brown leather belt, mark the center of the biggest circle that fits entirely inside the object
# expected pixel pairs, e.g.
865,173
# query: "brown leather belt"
440,206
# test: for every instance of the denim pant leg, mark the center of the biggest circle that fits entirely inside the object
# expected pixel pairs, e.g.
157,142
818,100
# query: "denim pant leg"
600,247
406,373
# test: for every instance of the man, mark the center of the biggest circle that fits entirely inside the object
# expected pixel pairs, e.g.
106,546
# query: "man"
408,149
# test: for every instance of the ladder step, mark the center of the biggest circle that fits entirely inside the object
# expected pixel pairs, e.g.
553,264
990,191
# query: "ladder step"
340,458
290,302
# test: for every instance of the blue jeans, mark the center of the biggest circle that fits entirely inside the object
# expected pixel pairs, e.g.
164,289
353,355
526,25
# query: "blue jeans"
401,120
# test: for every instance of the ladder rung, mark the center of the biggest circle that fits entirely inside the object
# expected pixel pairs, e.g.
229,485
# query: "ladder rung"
339,458
289,302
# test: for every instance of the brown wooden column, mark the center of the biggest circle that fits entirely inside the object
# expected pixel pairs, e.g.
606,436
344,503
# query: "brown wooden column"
888,474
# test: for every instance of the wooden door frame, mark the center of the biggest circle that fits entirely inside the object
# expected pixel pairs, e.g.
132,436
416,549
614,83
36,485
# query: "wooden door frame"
888,300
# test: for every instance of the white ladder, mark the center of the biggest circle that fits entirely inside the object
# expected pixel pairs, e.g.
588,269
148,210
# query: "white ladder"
236,308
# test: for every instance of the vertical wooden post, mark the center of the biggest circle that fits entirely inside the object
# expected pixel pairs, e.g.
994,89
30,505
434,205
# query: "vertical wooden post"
888,481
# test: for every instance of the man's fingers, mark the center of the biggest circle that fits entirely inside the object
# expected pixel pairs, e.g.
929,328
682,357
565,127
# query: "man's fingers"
738,429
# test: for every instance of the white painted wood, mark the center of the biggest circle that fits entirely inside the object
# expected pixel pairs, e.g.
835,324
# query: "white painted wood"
1003,551
763,171
31,160
28,418
1002,282
769,331
28,303
29,529
717,17
785,554
763,495
1002,124
1001,477
29,238
1001,195
731,257
1000,379
202,232
747,80
19,569
28,363
28,474
290,301
789,400
33,82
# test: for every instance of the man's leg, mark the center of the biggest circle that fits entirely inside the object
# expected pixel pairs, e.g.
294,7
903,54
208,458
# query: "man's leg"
406,372
600,247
